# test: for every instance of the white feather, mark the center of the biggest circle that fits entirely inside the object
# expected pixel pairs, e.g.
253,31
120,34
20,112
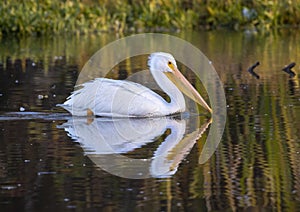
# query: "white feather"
107,97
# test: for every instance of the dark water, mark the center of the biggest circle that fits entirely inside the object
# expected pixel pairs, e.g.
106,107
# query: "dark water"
256,166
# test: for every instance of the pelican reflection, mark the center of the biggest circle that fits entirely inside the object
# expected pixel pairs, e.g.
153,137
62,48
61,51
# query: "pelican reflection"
107,140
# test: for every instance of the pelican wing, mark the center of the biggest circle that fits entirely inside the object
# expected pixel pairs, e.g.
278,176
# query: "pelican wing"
107,97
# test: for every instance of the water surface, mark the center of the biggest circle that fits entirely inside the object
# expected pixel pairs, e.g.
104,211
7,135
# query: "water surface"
46,165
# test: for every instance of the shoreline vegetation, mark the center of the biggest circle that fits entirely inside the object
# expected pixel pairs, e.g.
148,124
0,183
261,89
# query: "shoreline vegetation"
44,17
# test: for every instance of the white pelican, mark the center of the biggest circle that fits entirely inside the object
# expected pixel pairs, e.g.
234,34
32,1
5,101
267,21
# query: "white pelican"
121,98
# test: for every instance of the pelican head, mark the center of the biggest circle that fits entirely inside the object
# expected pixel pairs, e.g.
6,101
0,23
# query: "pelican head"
165,62
161,61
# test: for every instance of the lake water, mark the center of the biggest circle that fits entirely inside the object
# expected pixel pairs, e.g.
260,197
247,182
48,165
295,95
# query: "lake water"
52,161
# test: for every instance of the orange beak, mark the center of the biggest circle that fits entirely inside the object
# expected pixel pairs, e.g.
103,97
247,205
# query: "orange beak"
186,87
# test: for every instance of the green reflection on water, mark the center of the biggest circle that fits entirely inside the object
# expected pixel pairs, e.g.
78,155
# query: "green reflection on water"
257,164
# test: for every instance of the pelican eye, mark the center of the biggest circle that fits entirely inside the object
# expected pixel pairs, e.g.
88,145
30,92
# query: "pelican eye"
170,64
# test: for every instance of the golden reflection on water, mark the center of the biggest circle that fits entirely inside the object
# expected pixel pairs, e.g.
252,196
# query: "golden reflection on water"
256,165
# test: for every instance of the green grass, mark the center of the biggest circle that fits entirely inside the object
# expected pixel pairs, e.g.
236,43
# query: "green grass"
73,16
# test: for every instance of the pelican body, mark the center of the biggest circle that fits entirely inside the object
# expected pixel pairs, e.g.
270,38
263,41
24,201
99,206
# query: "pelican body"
121,98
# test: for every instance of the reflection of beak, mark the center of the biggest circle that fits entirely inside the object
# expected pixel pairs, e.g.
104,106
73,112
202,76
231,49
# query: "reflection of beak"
176,152
185,86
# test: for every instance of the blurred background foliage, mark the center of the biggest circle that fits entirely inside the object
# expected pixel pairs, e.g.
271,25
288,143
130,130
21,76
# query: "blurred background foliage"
26,17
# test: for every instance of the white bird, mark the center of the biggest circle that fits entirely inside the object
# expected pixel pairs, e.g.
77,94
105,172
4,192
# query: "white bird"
121,98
